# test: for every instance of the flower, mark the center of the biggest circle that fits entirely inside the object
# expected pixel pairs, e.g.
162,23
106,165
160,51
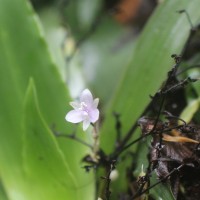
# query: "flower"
84,111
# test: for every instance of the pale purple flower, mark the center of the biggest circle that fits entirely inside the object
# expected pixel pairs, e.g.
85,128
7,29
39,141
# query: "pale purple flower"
84,111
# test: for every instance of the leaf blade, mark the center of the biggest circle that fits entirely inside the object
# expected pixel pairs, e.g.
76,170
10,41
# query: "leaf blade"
141,76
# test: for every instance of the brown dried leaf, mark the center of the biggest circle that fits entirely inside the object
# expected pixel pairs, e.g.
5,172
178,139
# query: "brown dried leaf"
181,139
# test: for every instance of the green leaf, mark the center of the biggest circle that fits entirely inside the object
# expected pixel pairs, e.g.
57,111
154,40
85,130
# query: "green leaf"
162,191
192,92
24,54
195,72
189,111
43,161
165,34
3,195
55,35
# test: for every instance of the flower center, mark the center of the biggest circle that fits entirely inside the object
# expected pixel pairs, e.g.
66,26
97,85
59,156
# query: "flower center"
84,107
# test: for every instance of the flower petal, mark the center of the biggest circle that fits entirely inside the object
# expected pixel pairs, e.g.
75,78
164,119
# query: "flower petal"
74,116
86,97
75,105
94,115
95,103
86,124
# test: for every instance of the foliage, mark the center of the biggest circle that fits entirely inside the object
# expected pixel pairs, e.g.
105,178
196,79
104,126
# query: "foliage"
36,85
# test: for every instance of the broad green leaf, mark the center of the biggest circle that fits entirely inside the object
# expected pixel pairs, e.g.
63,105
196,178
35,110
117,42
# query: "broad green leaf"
3,195
55,35
24,54
43,162
165,34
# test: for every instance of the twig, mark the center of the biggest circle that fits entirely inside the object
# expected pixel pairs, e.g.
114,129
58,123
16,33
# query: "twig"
73,137
188,68
108,180
118,128
160,181
188,17
165,178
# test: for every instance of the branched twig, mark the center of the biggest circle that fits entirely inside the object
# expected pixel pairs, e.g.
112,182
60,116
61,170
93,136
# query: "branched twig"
73,137
181,84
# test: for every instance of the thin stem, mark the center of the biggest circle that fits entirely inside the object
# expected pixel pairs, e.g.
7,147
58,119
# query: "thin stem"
118,128
122,145
188,17
106,190
188,68
73,137
95,148
180,84
114,156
